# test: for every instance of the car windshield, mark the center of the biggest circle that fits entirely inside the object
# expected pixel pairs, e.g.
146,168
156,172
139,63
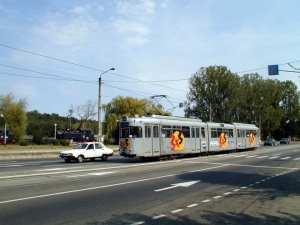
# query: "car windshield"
80,146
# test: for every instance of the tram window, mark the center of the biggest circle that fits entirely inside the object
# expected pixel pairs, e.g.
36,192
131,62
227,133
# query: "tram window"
197,132
136,131
176,128
219,131
214,133
124,133
155,131
202,132
241,133
230,133
147,131
166,131
247,133
186,131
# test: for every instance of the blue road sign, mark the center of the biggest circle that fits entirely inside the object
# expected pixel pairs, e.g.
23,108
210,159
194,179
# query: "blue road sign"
273,70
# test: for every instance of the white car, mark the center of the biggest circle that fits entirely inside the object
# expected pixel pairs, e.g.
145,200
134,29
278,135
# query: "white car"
87,150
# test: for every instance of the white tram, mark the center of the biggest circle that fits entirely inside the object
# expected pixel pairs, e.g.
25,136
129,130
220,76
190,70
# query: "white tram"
156,136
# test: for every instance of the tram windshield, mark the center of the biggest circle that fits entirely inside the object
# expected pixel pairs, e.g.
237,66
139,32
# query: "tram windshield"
132,131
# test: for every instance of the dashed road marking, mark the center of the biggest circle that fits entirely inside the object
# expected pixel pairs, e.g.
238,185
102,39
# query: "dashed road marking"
216,197
138,223
192,205
176,210
158,217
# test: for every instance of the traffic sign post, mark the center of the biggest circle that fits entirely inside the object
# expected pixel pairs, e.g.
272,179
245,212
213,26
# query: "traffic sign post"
273,70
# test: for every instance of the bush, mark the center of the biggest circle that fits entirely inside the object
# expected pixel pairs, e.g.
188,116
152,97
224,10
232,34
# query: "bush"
56,142
64,143
38,138
106,141
24,143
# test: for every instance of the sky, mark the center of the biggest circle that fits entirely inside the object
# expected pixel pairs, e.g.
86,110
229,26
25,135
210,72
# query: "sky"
53,52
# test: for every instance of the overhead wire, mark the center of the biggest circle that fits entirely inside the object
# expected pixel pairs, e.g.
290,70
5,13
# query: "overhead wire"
71,79
87,67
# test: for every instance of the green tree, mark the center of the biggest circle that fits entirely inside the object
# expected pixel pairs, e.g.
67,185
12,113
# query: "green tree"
272,112
212,94
290,105
127,106
14,112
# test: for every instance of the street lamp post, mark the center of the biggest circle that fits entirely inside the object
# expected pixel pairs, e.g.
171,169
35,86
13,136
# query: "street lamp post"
55,131
4,130
100,105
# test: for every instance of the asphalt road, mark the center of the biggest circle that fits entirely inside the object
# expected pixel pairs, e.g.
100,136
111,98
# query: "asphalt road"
252,187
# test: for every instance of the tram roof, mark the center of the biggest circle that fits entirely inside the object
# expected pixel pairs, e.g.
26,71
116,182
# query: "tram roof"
161,117
174,118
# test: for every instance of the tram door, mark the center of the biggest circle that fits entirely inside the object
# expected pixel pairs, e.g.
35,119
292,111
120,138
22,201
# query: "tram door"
155,140
242,138
195,139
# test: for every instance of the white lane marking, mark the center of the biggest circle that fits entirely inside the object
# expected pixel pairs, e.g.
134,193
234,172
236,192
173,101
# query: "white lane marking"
244,187
216,197
106,186
297,158
50,169
183,184
92,174
227,193
235,190
251,156
206,200
138,223
167,188
159,216
251,166
286,158
260,157
10,166
250,185
238,156
176,210
192,205
257,182
274,157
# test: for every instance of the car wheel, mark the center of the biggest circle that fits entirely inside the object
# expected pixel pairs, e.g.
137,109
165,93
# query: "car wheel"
104,157
80,159
67,160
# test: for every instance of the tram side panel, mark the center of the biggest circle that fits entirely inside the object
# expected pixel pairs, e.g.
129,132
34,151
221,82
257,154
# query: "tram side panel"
221,137
248,136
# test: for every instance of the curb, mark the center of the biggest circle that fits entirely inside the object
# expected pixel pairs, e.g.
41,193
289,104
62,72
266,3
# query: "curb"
35,154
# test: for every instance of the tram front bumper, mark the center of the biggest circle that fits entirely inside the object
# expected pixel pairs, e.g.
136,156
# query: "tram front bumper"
126,153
